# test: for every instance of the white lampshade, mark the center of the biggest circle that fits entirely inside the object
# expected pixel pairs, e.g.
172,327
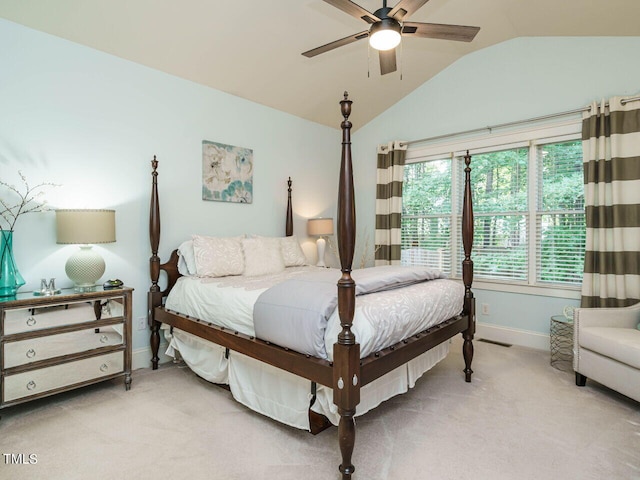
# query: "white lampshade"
385,34
84,227
320,227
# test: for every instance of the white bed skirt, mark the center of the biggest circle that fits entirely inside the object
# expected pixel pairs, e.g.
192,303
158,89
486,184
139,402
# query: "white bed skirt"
281,395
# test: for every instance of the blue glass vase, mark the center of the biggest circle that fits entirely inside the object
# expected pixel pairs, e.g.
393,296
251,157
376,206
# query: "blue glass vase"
10,278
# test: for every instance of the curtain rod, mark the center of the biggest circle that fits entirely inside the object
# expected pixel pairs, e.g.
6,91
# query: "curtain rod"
518,122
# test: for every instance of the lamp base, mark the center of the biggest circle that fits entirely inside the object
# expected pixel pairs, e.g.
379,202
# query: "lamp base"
85,288
84,268
321,244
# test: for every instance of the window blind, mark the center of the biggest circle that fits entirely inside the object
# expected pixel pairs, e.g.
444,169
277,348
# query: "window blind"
529,226
426,217
560,222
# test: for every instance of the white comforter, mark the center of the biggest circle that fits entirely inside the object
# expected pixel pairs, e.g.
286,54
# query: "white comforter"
381,319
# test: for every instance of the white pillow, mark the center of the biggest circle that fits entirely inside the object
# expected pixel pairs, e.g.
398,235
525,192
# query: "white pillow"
186,259
292,252
262,256
218,256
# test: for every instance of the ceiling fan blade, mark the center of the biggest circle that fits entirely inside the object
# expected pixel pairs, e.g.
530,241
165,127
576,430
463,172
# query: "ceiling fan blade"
404,8
336,44
459,33
354,10
387,61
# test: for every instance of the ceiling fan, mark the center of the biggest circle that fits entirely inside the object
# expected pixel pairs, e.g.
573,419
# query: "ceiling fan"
387,25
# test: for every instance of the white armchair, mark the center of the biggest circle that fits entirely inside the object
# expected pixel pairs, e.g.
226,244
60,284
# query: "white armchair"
606,347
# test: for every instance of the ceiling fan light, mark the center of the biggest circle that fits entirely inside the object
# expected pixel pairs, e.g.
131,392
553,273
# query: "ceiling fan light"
385,34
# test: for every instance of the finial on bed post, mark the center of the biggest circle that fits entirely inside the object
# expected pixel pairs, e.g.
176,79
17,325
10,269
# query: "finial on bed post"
289,225
467,269
155,295
346,352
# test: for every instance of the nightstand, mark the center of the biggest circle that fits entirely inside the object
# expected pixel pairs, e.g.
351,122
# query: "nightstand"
51,344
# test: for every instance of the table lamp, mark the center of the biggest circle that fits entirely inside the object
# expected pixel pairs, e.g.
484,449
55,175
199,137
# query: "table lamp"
320,227
85,227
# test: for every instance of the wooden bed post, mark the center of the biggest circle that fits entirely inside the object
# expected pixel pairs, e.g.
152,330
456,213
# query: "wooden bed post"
155,295
346,352
467,269
289,224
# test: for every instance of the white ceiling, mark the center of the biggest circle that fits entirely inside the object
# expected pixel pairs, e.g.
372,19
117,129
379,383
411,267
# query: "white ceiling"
252,48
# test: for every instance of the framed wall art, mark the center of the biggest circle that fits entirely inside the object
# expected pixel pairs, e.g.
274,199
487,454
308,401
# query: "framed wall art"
227,173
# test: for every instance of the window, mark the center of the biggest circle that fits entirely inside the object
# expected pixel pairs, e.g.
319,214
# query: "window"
426,215
499,188
528,211
560,222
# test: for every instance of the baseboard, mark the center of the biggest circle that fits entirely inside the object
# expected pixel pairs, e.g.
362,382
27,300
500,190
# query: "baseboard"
141,357
512,336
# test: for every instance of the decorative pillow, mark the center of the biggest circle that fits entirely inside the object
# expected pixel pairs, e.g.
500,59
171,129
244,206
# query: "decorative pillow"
262,256
292,252
218,256
186,259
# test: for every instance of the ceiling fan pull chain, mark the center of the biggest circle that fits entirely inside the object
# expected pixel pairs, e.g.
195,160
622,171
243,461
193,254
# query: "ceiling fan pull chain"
368,60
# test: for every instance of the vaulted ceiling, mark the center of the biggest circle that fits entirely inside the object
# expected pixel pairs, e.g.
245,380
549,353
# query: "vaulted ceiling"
252,48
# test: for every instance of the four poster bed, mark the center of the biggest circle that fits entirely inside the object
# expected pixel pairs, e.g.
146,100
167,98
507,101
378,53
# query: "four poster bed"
377,345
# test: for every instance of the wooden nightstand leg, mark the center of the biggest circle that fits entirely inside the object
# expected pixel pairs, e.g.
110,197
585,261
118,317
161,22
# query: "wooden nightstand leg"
127,381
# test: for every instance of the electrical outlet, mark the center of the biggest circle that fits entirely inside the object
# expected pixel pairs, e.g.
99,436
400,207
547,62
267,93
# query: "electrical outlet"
485,309
141,323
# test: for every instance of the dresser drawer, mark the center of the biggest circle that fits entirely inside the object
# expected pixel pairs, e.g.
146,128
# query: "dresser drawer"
46,379
42,348
21,320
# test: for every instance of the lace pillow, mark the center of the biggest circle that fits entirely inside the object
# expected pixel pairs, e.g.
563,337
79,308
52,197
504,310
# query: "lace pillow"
292,252
262,256
218,256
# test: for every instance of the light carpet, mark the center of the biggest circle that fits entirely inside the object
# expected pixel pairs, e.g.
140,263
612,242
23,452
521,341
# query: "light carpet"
519,418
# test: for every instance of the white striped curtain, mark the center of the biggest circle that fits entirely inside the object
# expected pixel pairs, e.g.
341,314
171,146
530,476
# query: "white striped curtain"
390,174
611,150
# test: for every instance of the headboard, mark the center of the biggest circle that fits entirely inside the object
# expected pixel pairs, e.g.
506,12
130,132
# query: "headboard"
171,266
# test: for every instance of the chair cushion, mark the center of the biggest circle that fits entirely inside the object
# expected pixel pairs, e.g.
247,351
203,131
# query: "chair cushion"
621,344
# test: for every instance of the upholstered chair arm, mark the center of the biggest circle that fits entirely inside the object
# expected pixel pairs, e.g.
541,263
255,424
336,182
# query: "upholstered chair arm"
625,317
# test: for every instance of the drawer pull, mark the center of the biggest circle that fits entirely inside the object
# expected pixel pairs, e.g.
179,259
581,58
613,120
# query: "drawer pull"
31,321
31,385
31,353
104,339
104,367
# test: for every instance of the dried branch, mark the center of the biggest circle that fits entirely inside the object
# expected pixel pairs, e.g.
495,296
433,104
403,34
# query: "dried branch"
26,201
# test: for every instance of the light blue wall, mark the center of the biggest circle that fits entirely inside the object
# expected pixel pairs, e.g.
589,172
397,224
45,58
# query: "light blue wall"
92,122
515,80
529,314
